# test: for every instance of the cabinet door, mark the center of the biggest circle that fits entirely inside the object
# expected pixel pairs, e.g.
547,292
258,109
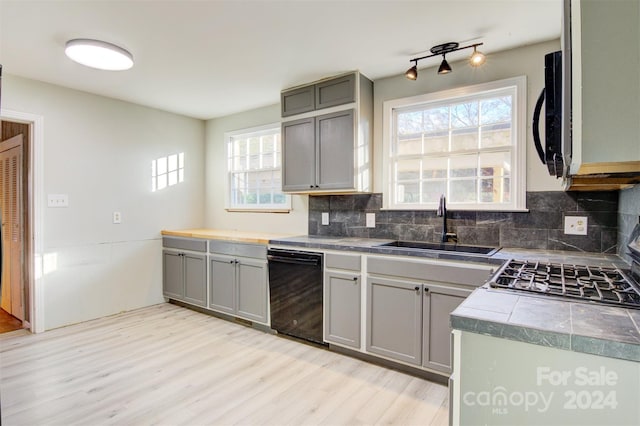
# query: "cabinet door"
252,290
298,155
222,276
394,327
337,91
438,303
297,101
342,308
335,150
195,279
172,274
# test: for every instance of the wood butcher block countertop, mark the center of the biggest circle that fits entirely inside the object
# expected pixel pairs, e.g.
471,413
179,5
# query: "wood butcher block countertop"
227,235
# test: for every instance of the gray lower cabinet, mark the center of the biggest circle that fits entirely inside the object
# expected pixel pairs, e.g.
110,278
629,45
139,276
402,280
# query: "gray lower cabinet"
238,286
184,276
342,292
394,319
438,303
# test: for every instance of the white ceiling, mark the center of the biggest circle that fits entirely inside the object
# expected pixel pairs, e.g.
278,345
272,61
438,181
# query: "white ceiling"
212,58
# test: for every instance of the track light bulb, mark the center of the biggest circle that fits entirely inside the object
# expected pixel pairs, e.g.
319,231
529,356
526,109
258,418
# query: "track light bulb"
412,73
444,66
477,58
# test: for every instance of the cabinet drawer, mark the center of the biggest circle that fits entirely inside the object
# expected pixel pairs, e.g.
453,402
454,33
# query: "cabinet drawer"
297,101
256,251
337,91
185,243
350,262
459,273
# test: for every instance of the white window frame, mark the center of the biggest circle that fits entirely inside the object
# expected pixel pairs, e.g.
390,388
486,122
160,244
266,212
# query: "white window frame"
518,150
251,132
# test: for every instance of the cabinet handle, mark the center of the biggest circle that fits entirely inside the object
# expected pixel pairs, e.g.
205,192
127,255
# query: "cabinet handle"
317,186
310,186
231,261
417,289
355,279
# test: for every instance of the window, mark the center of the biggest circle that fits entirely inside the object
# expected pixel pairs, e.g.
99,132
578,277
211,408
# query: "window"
255,171
466,143
167,171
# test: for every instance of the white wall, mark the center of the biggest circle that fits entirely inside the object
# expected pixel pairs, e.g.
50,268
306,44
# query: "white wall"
294,222
99,152
526,60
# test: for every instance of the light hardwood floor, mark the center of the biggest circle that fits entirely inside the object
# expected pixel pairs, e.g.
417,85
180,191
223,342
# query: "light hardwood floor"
169,365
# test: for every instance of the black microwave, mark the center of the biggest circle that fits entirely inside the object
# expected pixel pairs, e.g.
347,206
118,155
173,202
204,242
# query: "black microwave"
555,151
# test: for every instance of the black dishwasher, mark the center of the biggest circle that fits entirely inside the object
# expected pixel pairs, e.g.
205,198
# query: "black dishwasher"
295,293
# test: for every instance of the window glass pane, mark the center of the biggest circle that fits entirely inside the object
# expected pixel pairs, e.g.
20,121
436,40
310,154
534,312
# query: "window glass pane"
409,123
462,191
496,135
239,163
464,166
268,143
462,139
409,144
432,189
434,168
495,190
464,115
254,146
254,162
435,143
408,170
495,110
436,120
408,193
495,164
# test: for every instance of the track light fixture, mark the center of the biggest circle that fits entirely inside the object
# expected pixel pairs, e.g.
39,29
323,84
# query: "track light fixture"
476,59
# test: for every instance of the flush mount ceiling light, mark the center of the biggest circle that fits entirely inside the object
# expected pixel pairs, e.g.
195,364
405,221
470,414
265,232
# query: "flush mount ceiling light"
98,54
476,59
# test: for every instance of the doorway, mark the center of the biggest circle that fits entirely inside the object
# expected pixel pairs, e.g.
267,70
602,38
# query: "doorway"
15,208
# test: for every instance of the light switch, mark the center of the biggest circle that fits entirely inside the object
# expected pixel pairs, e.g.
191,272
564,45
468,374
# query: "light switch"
325,218
57,200
117,217
575,225
371,220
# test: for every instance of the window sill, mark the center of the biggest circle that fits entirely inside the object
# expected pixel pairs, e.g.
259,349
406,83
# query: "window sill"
240,210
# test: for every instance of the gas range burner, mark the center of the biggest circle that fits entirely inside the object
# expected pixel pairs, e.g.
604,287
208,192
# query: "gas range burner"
607,285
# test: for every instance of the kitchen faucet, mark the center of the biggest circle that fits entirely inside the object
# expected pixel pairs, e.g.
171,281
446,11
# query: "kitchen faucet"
442,211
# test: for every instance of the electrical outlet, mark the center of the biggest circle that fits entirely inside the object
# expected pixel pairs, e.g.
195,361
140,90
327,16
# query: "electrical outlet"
325,218
371,220
57,200
117,217
575,225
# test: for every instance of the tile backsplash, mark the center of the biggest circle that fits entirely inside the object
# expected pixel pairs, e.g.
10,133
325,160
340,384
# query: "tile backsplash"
628,217
542,227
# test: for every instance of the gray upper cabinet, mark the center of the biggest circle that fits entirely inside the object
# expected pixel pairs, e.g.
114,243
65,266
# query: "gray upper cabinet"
299,153
438,303
319,147
297,101
336,91
184,270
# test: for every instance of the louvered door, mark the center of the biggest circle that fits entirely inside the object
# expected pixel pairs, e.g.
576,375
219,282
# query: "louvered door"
12,229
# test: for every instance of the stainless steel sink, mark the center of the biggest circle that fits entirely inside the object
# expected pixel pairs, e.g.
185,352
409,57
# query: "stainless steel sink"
454,247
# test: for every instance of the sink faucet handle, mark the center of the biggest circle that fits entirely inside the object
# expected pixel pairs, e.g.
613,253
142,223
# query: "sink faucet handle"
442,206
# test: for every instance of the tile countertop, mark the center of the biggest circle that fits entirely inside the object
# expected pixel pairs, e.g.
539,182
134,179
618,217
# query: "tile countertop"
576,326
226,235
